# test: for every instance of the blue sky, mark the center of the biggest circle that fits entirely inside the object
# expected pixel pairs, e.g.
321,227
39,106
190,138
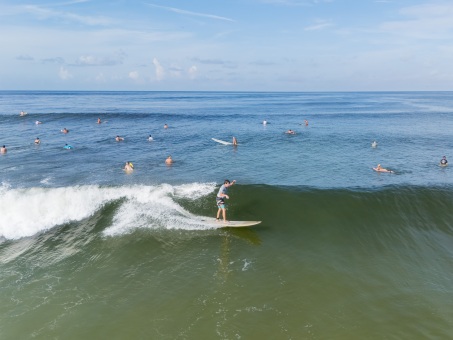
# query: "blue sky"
247,45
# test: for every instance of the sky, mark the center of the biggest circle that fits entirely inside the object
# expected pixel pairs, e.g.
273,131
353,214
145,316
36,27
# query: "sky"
227,45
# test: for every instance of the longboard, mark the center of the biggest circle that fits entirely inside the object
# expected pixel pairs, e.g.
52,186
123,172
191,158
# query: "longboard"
221,141
212,222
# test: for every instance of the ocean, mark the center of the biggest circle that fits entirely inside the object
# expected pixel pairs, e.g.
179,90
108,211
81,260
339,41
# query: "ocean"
343,252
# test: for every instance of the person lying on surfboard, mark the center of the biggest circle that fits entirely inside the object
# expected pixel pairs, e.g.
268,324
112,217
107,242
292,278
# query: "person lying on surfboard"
220,199
381,169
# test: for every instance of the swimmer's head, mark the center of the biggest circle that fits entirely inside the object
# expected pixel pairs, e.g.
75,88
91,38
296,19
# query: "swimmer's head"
226,181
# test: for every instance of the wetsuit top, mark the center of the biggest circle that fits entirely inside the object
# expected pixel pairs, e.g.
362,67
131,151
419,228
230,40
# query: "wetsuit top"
223,190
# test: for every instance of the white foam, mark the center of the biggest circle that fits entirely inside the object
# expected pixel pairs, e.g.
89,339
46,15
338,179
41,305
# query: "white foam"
25,212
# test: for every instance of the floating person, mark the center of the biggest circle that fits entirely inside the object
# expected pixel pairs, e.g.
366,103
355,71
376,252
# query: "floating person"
22,113
99,121
290,132
169,160
150,138
381,169
3,149
165,126
37,140
235,141
67,146
65,130
38,122
119,139
220,199
306,122
128,167
374,144
443,161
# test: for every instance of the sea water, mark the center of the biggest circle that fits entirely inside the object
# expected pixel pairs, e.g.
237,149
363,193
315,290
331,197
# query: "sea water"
89,251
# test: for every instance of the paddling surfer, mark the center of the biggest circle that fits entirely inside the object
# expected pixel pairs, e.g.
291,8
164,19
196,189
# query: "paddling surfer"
220,199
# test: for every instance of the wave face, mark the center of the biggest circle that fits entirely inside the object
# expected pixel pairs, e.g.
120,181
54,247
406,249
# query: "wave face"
25,212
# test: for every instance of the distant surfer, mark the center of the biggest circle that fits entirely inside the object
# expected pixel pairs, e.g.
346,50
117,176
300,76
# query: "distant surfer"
220,199
306,122
99,121
443,161
38,122
128,167
235,141
169,160
374,144
150,138
37,140
65,130
265,122
381,169
165,126
22,113
67,146
290,132
119,139
3,149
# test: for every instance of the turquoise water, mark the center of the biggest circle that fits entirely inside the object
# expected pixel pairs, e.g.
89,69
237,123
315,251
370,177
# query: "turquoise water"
343,252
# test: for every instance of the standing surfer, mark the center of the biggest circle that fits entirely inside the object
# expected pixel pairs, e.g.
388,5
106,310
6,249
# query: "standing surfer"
220,199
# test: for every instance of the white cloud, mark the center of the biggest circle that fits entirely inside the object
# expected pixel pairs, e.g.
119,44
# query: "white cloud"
319,25
44,13
428,21
64,73
193,70
100,78
134,75
182,11
160,72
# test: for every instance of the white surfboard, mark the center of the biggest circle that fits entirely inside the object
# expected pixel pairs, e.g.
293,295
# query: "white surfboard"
212,222
221,141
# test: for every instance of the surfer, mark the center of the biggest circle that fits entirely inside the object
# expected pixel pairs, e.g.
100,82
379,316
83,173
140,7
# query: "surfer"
374,144
290,132
128,167
265,122
22,113
306,122
99,121
37,140
3,149
235,141
38,122
165,126
443,161
150,138
220,199
119,139
65,130
381,169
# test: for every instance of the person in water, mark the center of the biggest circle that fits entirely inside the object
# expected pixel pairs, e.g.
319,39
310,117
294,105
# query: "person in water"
265,122
3,149
220,199
169,160
165,126
38,122
306,122
444,161
65,130
381,169
235,141
99,121
290,132
119,139
374,144
128,166
150,138
37,140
